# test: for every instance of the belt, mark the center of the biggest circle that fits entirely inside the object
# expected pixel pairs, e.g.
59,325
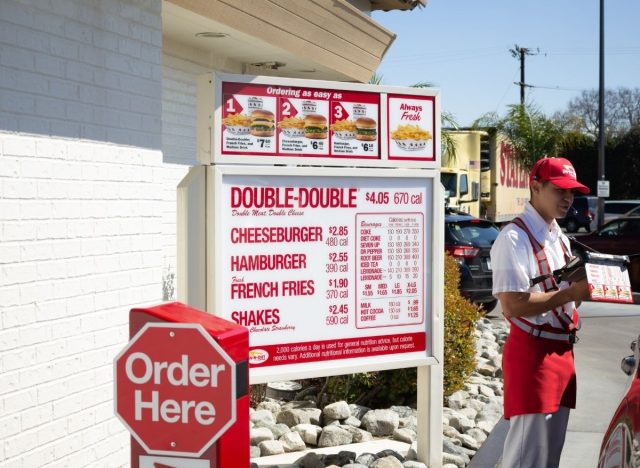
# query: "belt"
570,337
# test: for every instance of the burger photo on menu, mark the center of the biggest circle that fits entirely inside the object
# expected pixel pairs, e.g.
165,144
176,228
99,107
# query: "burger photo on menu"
262,123
344,129
292,127
411,137
366,129
237,124
315,127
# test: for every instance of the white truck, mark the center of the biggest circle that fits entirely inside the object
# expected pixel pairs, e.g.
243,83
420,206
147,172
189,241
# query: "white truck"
485,179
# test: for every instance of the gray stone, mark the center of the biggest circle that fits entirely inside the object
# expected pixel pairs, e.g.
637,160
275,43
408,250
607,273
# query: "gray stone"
262,417
366,459
449,447
486,426
333,436
470,413
412,453
450,432
404,411
298,404
330,422
413,464
254,452
471,388
486,391
469,442
458,400
308,432
337,410
292,442
269,405
449,465
260,434
476,405
381,422
478,434
278,430
354,465
358,435
386,462
450,459
487,369
461,424
352,421
310,460
295,416
404,435
270,447
409,422
358,411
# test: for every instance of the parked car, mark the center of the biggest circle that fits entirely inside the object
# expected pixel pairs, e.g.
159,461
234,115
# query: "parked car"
618,237
621,443
633,212
582,213
617,208
469,240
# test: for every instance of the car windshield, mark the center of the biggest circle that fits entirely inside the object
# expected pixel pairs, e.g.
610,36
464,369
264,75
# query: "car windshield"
479,233
449,182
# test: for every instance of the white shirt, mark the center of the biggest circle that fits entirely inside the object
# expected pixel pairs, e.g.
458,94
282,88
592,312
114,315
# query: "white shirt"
514,262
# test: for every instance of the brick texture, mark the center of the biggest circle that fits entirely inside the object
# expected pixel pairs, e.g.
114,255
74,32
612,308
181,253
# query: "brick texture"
82,191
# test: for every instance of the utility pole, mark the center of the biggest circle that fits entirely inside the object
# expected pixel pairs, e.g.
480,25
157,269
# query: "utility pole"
601,124
522,52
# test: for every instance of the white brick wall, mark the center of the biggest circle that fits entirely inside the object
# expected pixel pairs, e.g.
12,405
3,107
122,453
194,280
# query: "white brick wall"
70,269
81,219
178,140
81,69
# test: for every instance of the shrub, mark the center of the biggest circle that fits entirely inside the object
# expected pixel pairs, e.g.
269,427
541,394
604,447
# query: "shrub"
460,317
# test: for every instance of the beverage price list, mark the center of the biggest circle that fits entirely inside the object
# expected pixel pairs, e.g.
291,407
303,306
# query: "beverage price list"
321,268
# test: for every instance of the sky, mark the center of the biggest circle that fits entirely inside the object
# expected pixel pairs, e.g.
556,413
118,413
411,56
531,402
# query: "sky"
462,47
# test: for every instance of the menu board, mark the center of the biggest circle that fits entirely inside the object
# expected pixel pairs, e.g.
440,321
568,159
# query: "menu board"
274,120
325,268
271,120
608,283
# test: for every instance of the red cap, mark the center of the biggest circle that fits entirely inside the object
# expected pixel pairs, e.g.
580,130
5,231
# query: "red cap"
558,171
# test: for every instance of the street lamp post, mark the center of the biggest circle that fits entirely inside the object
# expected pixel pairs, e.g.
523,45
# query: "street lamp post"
601,125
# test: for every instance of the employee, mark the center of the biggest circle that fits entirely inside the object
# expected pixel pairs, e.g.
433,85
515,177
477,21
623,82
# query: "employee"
538,364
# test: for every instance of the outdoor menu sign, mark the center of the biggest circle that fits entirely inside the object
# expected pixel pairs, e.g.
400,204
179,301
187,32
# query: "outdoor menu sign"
265,120
330,268
608,282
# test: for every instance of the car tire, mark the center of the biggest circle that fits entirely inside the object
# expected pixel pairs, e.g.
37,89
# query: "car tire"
572,225
489,306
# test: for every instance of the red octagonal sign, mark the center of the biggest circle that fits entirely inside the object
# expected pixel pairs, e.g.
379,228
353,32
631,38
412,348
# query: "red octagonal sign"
175,389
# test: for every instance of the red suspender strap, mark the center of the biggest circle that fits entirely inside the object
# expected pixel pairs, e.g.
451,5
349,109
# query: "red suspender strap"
544,268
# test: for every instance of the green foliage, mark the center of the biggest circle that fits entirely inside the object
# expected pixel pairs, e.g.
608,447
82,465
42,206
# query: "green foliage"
460,317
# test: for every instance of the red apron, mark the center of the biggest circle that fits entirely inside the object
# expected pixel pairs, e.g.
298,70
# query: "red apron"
539,373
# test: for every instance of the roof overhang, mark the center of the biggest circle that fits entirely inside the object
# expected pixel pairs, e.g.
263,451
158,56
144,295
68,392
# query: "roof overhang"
324,39
387,5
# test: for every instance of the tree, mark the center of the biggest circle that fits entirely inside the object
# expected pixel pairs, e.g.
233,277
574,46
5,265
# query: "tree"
622,112
531,134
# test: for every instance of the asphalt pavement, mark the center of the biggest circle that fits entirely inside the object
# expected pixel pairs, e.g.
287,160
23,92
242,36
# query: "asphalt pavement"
605,338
